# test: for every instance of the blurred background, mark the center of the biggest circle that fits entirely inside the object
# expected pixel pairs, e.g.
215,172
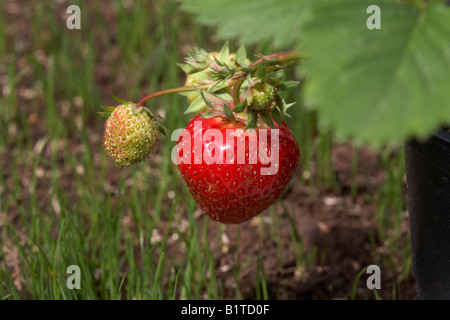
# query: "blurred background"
136,233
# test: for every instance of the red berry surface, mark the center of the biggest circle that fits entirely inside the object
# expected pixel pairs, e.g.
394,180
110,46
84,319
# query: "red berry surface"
234,192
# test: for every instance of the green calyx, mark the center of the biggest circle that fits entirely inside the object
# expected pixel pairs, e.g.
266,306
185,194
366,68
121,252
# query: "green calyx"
237,88
213,69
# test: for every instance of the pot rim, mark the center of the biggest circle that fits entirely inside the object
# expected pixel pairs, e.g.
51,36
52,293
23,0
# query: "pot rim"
435,150
443,135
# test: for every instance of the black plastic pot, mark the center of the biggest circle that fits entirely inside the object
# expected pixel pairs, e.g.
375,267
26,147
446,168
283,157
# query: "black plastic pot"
428,182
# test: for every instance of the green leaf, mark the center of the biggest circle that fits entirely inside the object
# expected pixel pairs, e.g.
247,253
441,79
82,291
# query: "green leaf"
198,105
260,72
161,128
417,3
156,119
252,119
207,101
107,109
135,109
104,114
200,77
241,55
219,62
253,21
210,99
210,114
195,70
218,86
187,93
228,113
223,96
376,86
276,77
381,85
284,107
240,107
267,119
185,67
120,100
287,85
224,52
277,116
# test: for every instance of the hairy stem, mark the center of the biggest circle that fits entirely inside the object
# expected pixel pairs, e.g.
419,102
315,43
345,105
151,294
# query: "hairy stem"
280,58
169,91
236,91
273,62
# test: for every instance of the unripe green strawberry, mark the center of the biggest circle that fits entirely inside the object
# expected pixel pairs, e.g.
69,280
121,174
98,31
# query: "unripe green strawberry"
262,96
131,135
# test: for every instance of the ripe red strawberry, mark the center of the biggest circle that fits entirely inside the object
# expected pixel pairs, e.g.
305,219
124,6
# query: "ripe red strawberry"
233,192
131,135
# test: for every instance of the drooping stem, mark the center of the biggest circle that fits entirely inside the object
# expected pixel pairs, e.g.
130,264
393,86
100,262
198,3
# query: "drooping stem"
169,91
236,91
273,62
281,58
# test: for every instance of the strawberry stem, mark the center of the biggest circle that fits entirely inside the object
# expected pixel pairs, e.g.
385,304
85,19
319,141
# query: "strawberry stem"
169,91
272,62
236,91
281,58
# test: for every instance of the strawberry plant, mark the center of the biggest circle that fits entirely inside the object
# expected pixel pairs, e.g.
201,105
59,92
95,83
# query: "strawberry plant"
246,155
377,86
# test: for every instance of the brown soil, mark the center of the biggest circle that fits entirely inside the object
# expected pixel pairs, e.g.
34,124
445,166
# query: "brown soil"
341,229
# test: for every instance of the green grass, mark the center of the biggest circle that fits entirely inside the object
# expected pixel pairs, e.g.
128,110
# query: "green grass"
135,234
